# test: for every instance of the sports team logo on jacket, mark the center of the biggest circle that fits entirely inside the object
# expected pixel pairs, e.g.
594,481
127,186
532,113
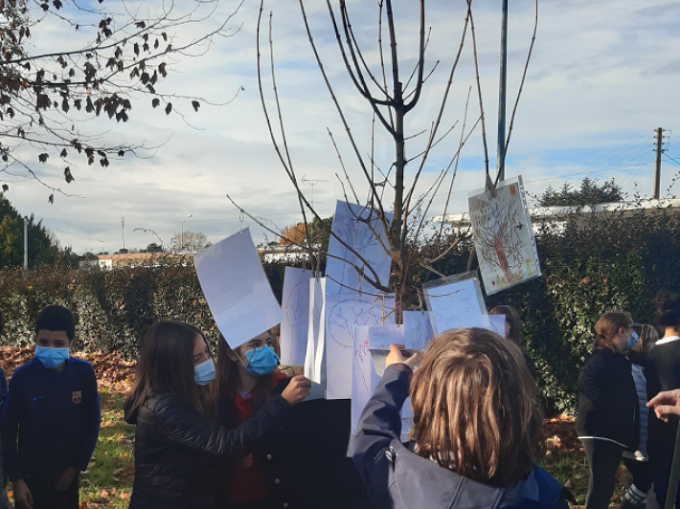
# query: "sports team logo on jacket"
77,397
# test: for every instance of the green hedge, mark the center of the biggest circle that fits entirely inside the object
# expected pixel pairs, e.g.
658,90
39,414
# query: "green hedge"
591,265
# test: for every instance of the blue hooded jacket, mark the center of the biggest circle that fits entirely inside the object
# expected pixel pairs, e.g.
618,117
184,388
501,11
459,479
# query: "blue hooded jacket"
397,478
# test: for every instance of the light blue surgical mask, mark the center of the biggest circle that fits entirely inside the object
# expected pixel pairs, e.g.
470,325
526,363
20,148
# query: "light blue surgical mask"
633,340
51,357
204,373
261,361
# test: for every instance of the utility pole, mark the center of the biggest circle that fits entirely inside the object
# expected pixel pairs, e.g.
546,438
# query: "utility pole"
123,223
502,91
25,245
657,172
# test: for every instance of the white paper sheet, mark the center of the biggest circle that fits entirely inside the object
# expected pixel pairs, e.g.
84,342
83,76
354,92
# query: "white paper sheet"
363,240
364,378
503,236
343,313
383,336
455,305
236,288
497,324
417,329
368,366
316,331
295,323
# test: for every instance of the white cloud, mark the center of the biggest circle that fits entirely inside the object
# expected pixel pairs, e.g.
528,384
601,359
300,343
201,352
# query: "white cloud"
602,77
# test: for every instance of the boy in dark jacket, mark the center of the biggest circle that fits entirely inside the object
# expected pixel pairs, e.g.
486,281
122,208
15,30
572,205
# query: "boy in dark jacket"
52,418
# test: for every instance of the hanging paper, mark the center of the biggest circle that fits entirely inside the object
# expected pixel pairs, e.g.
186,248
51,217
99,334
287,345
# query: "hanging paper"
316,330
364,246
236,289
456,302
503,236
295,324
343,313
417,329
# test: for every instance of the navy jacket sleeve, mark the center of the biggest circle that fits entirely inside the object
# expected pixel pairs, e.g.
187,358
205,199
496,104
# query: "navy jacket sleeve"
379,425
91,418
14,403
181,424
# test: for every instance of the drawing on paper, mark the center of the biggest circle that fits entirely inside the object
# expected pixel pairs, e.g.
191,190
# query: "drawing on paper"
455,305
346,313
417,329
294,328
503,236
340,271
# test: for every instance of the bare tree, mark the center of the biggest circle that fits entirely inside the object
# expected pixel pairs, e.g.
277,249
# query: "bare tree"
113,56
188,241
391,95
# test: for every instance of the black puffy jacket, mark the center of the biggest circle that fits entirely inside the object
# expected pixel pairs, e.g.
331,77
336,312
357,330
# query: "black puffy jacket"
608,403
175,449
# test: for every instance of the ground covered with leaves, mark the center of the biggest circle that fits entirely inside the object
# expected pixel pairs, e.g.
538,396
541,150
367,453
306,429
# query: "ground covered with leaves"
107,483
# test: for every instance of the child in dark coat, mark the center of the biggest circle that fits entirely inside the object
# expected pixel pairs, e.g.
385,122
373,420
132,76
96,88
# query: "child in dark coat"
478,429
52,418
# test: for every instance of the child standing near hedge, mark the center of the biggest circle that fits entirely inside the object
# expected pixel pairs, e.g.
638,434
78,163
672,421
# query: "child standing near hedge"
666,358
608,412
52,418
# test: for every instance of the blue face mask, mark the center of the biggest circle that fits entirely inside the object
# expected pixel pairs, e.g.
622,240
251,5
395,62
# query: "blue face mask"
204,373
51,357
633,340
261,361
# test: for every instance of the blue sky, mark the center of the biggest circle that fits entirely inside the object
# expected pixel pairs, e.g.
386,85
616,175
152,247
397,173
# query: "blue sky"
603,76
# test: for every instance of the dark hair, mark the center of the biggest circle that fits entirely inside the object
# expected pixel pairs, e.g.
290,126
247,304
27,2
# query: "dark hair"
608,327
512,318
646,333
475,408
227,373
166,366
56,318
667,309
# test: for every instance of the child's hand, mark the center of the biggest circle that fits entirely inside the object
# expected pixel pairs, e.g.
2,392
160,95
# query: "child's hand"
396,356
66,479
297,390
22,495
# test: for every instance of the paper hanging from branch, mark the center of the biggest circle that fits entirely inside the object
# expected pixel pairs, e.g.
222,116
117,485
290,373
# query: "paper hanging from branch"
236,289
367,240
368,352
456,302
295,323
503,236
343,313
316,331
417,329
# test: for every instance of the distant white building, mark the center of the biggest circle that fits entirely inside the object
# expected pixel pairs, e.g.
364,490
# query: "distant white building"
557,215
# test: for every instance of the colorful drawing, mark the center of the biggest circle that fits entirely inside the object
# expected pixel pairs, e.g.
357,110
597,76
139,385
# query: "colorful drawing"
503,236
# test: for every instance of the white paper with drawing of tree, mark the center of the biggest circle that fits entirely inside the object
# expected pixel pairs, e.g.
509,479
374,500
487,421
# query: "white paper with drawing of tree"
504,240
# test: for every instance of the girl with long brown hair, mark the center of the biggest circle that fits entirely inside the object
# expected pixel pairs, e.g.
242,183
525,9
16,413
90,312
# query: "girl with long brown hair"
608,416
513,330
477,424
175,436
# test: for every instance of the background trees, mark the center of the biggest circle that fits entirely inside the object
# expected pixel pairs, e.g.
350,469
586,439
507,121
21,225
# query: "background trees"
105,57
